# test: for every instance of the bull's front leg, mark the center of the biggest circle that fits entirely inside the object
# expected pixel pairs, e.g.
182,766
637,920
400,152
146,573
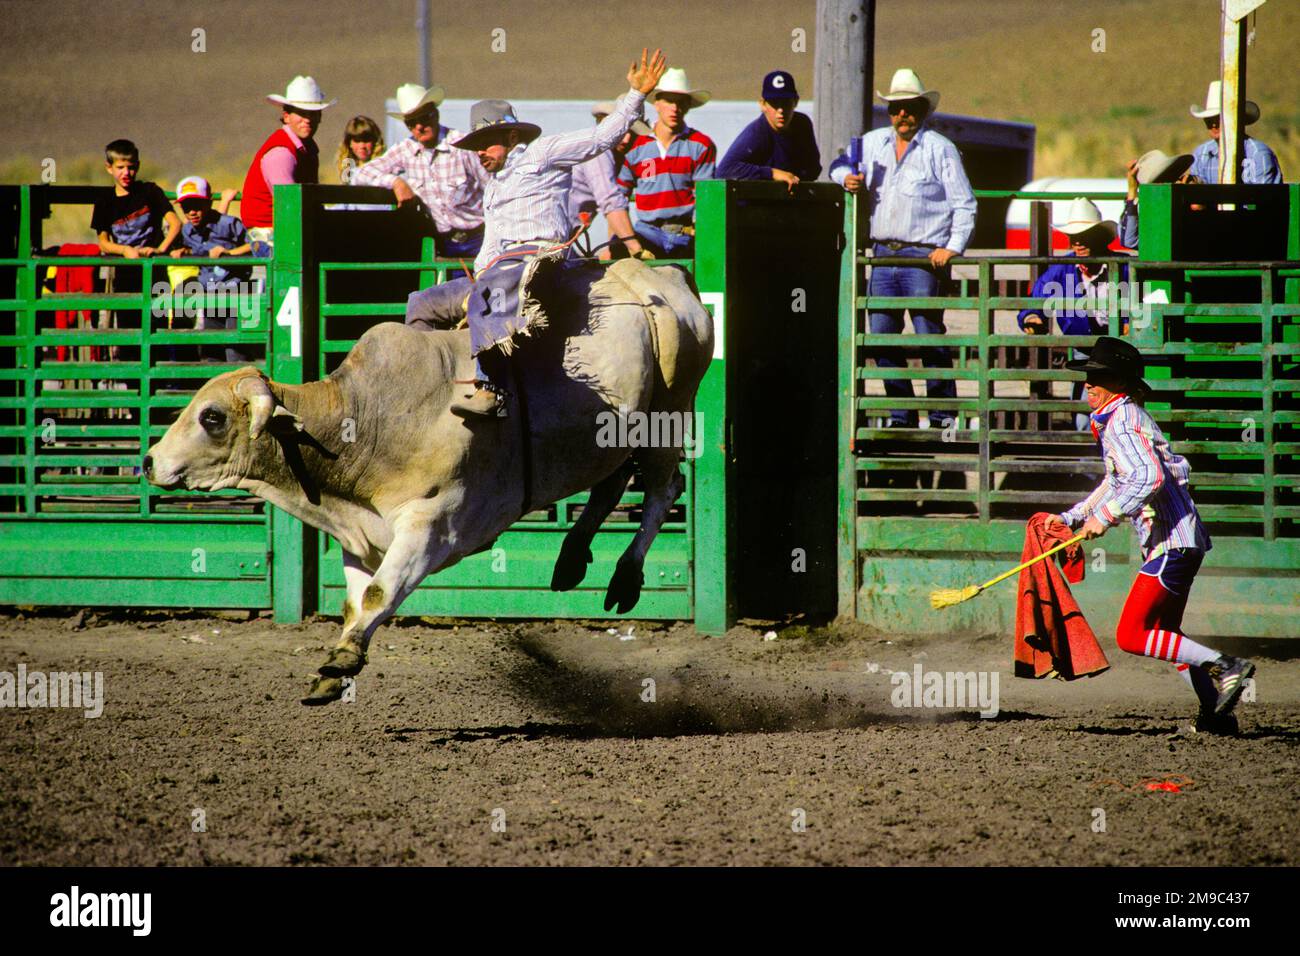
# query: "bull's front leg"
414,552
348,656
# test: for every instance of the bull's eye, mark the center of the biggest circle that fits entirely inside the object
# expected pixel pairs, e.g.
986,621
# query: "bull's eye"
212,419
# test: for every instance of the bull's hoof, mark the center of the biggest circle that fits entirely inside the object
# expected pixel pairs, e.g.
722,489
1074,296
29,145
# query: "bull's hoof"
570,566
342,662
624,588
324,690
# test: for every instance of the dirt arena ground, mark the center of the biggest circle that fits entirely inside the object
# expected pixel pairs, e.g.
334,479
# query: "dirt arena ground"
544,723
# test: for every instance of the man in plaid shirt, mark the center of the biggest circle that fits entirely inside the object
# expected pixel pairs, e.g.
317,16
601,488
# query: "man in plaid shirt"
425,166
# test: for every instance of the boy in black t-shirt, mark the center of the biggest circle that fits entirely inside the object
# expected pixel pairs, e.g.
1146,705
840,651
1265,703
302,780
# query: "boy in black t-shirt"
130,223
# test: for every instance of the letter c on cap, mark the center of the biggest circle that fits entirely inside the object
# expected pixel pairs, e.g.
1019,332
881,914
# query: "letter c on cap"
778,81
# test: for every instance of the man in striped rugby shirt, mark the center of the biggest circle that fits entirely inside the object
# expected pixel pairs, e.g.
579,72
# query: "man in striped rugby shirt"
662,170
1147,483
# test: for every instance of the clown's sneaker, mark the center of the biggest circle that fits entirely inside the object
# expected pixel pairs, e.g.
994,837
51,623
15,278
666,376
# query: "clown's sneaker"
1230,675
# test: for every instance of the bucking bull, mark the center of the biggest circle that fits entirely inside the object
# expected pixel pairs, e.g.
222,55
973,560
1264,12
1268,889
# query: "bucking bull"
373,456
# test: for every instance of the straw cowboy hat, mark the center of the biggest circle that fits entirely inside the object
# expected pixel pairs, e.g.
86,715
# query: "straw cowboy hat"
605,107
906,85
487,118
1084,215
1213,99
674,81
412,97
1156,167
303,93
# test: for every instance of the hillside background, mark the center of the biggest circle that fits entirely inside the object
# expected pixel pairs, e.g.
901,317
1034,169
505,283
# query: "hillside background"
78,74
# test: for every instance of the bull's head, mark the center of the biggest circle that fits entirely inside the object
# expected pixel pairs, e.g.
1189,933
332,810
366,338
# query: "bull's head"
221,434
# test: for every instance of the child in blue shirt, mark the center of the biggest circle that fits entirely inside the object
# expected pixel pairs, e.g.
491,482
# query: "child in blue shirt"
207,232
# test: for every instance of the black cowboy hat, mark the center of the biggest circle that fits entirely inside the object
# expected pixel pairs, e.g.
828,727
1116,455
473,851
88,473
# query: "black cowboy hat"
488,118
1117,358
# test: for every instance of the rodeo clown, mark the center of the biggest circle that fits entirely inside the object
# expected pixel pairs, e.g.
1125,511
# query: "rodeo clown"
1147,483
526,215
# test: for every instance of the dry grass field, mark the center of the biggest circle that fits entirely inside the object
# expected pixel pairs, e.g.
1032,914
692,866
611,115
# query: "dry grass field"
78,74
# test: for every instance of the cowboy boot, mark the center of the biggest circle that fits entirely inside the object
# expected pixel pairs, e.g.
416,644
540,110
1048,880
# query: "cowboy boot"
482,401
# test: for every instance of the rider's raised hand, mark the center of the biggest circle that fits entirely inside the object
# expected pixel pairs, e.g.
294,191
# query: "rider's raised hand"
645,76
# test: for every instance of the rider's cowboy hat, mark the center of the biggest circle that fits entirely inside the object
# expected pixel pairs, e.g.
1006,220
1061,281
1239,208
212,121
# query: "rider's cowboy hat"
1157,167
1085,216
1213,99
488,118
412,97
906,85
674,81
605,107
302,93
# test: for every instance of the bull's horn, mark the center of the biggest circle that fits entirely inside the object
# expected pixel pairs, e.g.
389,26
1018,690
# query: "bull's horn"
261,403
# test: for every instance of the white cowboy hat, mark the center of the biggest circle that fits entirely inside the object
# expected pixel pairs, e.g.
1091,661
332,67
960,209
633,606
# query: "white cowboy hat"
1157,167
674,81
1213,99
303,93
1085,215
906,85
411,97
605,107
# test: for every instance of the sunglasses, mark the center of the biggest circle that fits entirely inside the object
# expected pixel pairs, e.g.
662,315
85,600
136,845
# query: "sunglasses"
429,119
911,107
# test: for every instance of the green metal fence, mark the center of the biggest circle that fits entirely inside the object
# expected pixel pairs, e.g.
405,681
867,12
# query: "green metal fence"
79,524
925,507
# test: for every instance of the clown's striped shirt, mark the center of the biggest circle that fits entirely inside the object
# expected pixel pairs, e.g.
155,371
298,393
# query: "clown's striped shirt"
664,179
1145,482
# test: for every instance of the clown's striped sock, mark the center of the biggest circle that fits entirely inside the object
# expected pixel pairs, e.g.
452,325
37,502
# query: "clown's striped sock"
1168,645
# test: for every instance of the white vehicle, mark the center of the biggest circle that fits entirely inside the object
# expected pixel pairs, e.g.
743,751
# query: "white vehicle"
1018,211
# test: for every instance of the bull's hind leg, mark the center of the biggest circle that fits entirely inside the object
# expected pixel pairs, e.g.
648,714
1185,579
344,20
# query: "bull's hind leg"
415,550
575,553
663,483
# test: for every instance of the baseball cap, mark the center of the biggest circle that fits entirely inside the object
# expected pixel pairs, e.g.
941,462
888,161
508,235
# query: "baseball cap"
193,187
779,85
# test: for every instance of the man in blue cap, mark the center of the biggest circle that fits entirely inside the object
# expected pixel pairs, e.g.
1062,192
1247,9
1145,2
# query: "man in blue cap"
779,144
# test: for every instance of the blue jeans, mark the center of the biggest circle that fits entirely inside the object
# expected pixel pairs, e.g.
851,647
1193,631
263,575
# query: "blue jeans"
664,244
910,281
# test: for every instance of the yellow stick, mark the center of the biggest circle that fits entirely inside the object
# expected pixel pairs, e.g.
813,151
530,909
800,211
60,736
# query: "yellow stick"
946,597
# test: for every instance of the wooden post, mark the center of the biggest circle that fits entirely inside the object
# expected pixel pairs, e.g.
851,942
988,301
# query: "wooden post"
842,78
1232,110
422,21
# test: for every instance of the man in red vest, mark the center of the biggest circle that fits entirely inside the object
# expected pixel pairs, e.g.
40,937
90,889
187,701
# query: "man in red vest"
289,155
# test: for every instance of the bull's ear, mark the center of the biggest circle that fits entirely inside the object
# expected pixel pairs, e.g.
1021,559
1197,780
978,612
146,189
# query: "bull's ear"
261,403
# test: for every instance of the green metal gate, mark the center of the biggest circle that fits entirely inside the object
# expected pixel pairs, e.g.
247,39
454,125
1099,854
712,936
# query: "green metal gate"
921,509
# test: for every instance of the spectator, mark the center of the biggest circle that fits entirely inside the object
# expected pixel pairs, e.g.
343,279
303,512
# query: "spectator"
1150,167
921,206
213,234
363,141
780,143
595,190
449,182
289,155
1258,164
130,223
663,169
1090,237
